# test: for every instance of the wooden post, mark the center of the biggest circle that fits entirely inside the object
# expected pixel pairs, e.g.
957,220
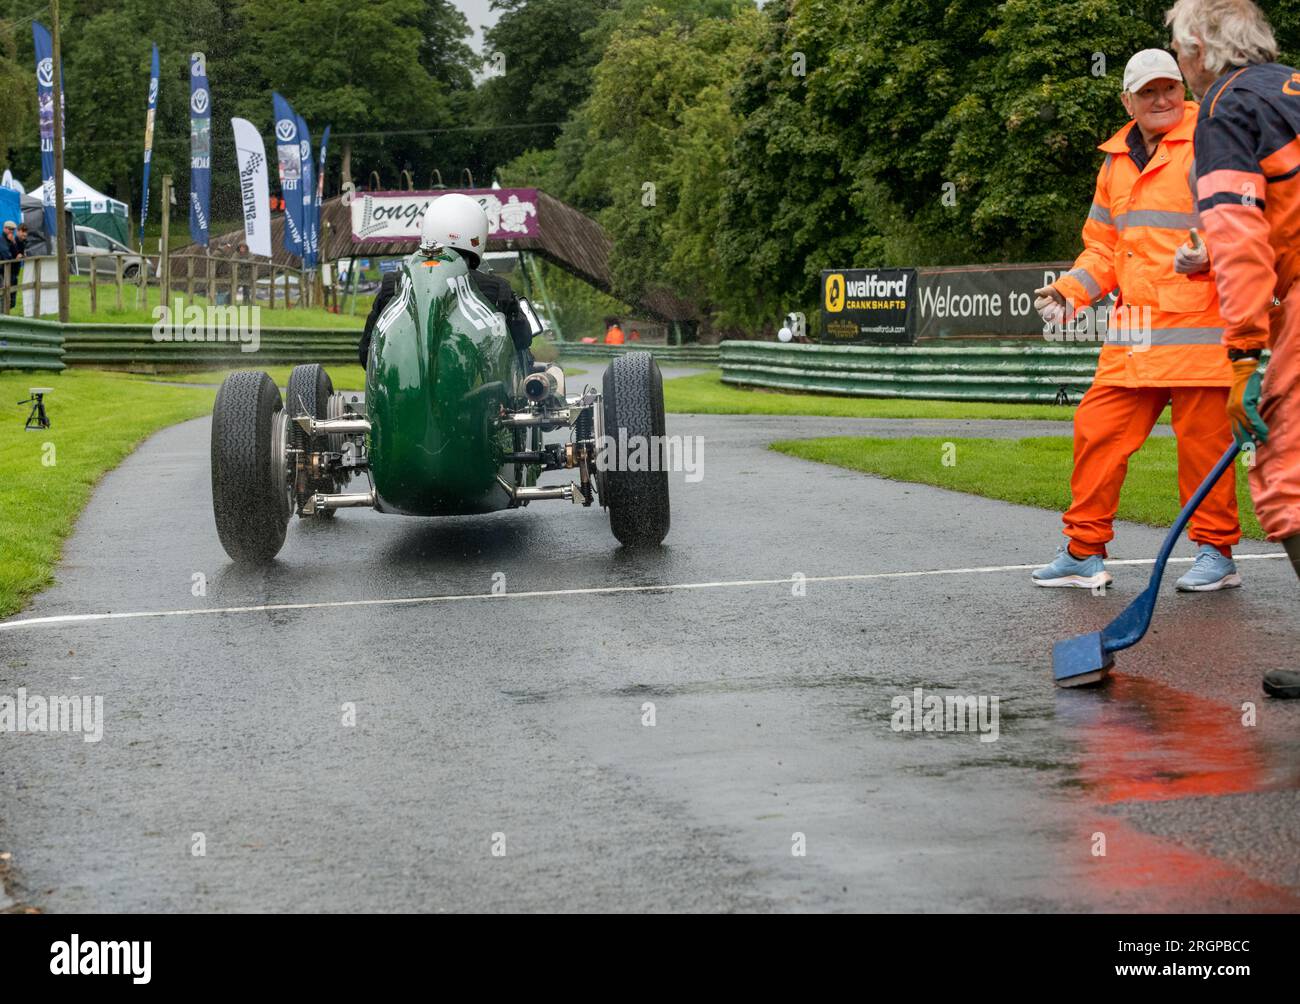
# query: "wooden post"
36,309
211,288
189,277
234,280
117,278
272,285
94,292
4,290
165,258
60,245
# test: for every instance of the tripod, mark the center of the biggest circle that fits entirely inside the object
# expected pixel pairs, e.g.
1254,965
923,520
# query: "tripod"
37,419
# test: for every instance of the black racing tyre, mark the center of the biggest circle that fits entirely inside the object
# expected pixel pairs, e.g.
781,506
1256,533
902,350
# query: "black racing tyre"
309,393
251,494
637,499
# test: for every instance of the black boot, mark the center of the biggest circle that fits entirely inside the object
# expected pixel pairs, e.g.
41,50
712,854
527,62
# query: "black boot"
1283,683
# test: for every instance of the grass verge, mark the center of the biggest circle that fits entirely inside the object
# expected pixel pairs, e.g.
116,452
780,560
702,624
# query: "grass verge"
96,420
1041,469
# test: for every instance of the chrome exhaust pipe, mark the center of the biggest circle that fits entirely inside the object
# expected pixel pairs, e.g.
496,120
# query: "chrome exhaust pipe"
325,426
319,501
565,492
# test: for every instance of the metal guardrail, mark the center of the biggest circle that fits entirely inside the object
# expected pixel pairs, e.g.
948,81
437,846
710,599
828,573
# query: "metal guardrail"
1028,373
700,355
30,345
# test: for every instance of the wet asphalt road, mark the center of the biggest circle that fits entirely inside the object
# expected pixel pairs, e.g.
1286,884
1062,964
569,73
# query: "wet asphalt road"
522,716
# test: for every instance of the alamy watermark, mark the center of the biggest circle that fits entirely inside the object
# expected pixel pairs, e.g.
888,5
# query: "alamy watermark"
230,323
652,453
1121,325
921,712
84,714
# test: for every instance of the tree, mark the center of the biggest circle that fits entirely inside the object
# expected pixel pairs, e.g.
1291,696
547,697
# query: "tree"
359,66
547,56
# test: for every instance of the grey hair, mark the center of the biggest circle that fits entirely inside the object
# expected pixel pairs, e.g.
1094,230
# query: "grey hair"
1228,32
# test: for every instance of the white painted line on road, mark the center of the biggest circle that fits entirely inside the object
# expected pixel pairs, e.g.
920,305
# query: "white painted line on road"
30,622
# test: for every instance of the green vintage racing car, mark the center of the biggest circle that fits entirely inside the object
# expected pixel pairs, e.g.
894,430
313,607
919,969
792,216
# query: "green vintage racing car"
454,422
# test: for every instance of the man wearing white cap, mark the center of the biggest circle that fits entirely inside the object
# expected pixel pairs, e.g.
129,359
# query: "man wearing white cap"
1162,342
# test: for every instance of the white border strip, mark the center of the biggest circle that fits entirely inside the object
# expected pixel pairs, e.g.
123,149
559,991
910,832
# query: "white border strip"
30,622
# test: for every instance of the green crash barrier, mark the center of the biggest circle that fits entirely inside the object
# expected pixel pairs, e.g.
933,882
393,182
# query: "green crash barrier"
27,344
1028,373
134,346
699,355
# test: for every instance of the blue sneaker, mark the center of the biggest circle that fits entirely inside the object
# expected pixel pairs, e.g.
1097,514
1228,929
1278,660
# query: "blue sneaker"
1067,570
1210,571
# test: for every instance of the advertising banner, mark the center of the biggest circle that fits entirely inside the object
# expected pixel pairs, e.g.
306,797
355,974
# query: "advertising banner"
200,149
148,139
308,195
289,156
870,306
254,191
396,216
44,45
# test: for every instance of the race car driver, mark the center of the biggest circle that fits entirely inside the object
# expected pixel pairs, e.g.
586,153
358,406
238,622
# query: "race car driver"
457,222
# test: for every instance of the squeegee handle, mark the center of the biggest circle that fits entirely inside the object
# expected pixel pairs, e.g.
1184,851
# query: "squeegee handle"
1128,628
1193,503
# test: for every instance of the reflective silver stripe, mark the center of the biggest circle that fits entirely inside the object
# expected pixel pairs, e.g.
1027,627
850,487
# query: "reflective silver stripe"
1089,283
1191,186
1099,213
1167,336
1155,218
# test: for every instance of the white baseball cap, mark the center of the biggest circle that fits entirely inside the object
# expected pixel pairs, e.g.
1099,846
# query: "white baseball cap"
1149,65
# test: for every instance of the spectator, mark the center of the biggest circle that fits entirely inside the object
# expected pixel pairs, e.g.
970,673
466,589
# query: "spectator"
21,244
8,252
613,333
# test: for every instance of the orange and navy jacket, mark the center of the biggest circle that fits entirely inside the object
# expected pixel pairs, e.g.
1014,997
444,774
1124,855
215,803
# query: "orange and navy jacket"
1139,217
1248,191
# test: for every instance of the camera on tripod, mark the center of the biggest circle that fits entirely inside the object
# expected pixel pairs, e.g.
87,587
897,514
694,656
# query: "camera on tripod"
36,418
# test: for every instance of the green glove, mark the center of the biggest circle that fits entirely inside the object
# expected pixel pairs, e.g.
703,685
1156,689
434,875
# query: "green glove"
1253,429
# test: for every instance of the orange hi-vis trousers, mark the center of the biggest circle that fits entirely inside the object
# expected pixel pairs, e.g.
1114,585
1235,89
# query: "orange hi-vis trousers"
1111,425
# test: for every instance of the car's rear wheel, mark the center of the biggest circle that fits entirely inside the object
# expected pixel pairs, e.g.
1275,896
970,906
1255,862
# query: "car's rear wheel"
131,273
252,493
634,484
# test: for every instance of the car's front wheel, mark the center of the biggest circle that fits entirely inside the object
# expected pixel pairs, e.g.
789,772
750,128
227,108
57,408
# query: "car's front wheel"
634,482
252,493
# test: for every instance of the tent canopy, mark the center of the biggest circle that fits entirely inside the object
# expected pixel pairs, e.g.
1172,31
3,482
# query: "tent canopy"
95,209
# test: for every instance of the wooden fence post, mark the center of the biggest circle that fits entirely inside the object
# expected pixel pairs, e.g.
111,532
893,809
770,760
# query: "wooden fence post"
94,290
117,279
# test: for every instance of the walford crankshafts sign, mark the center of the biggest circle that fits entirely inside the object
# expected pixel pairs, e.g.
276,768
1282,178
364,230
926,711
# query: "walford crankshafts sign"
900,306
871,305
395,216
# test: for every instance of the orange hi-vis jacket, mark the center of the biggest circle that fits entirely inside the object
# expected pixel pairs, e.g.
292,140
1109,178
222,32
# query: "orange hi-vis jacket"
1138,219
1248,147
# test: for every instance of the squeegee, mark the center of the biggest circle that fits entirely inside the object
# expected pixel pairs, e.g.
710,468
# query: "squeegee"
1088,658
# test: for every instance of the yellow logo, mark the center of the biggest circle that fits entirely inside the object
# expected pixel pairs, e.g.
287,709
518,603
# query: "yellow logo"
834,293
1292,86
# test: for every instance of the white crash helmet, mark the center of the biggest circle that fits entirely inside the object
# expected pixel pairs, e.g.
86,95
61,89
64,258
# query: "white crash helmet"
455,221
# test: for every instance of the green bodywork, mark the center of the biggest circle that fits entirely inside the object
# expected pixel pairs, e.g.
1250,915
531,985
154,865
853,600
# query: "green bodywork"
442,366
